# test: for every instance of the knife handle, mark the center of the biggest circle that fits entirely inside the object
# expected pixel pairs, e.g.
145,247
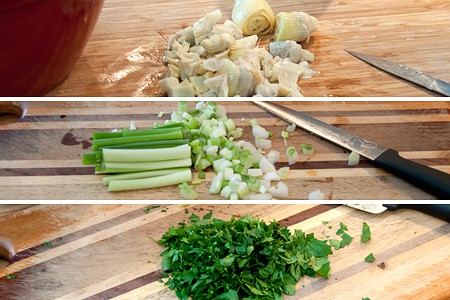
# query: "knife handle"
441,211
424,177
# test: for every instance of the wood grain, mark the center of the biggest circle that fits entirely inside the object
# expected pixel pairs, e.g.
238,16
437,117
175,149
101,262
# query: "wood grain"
38,162
109,251
123,56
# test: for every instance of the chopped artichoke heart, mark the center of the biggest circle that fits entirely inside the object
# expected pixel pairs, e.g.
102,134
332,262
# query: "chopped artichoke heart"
184,89
253,16
218,43
295,26
291,50
167,83
205,25
213,59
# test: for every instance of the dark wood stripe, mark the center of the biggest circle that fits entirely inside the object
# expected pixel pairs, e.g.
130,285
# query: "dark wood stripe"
314,165
47,171
26,253
307,214
127,286
234,115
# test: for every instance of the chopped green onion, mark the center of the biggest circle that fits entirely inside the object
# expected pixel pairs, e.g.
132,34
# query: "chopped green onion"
291,128
160,114
353,159
284,135
292,155
283,173
188,191
307,149
201,175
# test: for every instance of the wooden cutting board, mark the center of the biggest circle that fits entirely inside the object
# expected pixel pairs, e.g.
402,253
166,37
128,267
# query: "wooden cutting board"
123,56
110,251
40,157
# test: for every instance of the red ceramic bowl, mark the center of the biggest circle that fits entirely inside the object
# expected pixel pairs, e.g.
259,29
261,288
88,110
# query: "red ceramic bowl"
40,42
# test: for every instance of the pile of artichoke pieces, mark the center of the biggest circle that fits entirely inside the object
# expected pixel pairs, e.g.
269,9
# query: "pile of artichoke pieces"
209,59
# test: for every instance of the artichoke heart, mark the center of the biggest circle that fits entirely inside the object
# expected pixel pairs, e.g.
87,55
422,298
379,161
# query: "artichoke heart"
253,17
295,26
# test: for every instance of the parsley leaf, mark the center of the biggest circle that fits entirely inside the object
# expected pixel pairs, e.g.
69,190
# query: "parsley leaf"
346,240
342,229
366,234
148,209
369,258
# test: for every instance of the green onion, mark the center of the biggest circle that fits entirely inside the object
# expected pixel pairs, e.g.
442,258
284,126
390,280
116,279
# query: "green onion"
142,174
201,175
158,130
136,139
146,155
160,114
145,183
151,165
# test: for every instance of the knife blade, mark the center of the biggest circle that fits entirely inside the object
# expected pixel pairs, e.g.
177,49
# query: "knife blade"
411,75
429,179
441,211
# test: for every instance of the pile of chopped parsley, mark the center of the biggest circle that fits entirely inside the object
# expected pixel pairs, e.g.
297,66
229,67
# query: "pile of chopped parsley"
241,258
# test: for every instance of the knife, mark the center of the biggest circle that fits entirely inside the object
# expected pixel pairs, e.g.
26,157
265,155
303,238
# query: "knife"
431,180
406,73
441,211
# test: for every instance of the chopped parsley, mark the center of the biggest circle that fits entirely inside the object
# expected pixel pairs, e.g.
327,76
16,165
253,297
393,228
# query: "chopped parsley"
369,258
148,209
47,244
242,258
366,234
10,276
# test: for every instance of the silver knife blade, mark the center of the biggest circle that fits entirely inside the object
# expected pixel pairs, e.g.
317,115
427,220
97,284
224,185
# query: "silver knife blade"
399,70
324,130
370,208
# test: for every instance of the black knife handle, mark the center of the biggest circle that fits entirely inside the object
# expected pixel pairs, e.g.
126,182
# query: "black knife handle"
431,180
441,211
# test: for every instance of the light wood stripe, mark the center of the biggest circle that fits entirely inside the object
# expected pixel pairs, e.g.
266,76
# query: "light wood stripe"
148,123
88,240
106,107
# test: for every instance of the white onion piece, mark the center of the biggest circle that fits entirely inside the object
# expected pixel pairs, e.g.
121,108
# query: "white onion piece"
271,176
221,111
291,128
255,196
225,192
265,183
263,144
266,166
283,173
260,132
273,156
254,172
199,105
353,159
316,195
281,191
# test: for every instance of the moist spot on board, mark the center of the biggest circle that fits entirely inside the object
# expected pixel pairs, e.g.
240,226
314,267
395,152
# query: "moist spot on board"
71,140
